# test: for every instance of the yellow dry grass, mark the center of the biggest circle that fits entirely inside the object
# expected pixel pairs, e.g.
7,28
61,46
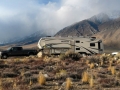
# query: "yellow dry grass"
92,65
68,84
85,77
101,62
113,71
91,82
1,88
41,79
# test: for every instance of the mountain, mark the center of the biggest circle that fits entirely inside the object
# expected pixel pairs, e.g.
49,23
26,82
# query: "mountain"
102,26
100,18
110,33
84,27
30,39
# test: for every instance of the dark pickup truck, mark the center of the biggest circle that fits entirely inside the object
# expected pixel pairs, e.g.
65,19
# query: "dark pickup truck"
17,51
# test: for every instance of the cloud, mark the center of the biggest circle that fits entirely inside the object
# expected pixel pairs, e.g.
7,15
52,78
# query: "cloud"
23,17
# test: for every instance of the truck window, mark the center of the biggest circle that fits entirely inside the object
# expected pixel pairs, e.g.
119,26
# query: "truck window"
14,49
19,48
77,41
92,44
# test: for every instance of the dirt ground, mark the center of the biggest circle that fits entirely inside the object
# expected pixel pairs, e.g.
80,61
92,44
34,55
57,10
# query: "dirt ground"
88,73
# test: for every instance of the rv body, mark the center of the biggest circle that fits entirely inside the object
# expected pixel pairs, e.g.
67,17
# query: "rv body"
82,45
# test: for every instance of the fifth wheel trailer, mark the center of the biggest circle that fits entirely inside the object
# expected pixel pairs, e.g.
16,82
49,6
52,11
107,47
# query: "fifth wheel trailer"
82,45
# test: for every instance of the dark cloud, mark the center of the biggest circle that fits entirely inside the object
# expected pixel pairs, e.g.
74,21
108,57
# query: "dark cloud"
22,17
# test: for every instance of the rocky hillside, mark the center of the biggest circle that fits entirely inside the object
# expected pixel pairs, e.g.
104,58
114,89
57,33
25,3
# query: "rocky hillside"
101,26
84,27
110,33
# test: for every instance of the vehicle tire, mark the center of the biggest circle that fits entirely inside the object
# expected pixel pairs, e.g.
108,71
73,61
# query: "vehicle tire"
30,54
4,56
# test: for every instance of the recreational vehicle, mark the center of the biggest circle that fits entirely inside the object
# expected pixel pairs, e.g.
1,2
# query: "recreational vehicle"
82,45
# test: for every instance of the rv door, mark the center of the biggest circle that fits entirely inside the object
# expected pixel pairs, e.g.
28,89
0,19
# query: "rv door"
100,46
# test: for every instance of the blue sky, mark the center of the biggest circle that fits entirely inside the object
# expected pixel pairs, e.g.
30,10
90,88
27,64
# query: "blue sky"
19,18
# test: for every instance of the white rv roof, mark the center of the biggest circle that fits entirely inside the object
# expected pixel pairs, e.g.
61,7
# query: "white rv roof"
74,38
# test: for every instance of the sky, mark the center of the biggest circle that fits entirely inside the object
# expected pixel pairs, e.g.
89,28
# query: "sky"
19,18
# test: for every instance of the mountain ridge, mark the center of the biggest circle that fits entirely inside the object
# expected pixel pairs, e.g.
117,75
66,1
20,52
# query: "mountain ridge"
100,26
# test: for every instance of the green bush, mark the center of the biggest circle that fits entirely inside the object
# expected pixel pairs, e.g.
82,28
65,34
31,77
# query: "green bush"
70,55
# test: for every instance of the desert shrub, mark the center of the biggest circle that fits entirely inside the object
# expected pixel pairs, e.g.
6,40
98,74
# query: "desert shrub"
107,82
27,74
31,80
37,87
106,58
70,55
75,75
62,74
2,62
62,56
94,59
9,74
4,66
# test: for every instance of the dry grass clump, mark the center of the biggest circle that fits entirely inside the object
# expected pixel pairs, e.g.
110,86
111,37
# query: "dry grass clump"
111,68
113,71
30,83
68,84
85,77
92,65
91,82
41,79
118,61
14,84
117,74
61,74
70,55
1,84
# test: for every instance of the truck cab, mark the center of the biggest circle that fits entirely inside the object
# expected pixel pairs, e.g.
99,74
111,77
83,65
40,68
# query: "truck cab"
17,51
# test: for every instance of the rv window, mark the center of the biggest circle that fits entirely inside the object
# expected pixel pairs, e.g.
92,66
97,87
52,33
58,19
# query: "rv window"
77,48
92,44
77,41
